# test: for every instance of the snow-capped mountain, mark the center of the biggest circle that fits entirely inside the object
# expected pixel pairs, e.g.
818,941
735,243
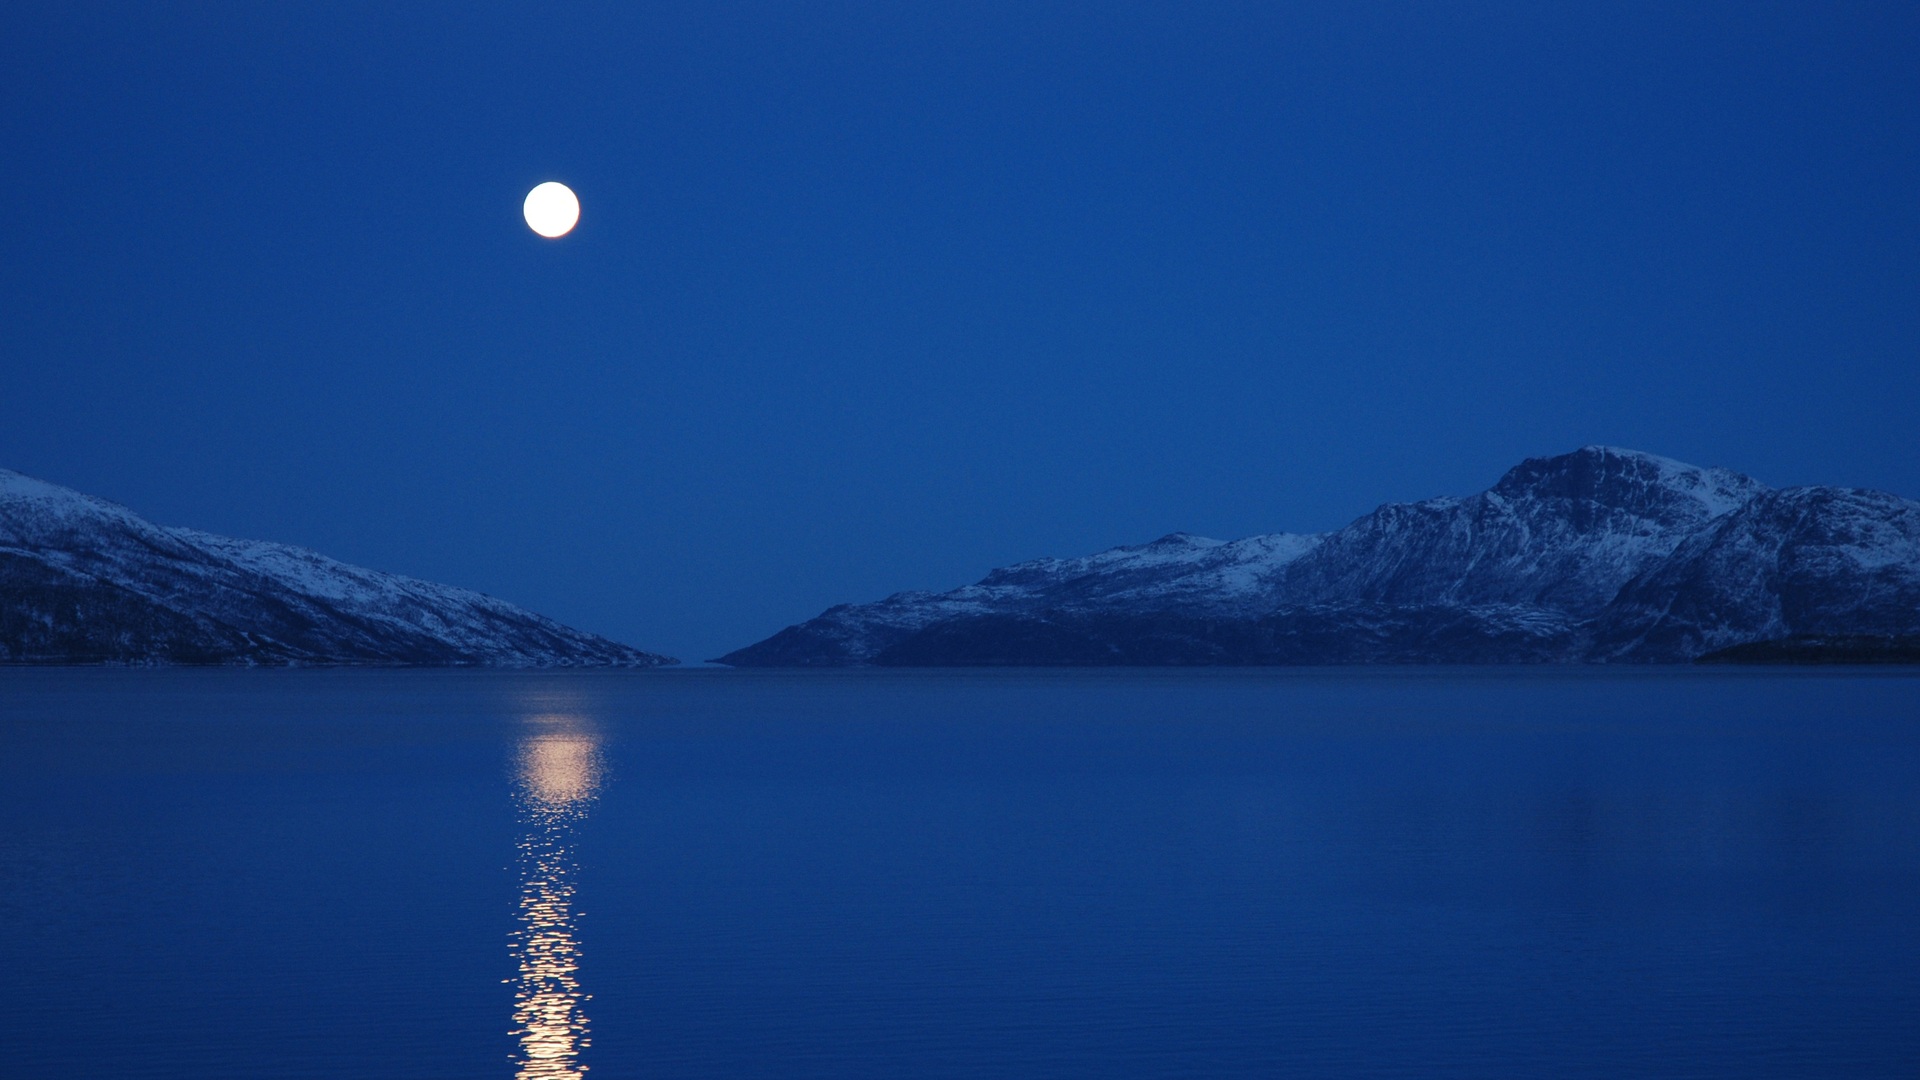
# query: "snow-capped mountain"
86,580
1810,562
1601,554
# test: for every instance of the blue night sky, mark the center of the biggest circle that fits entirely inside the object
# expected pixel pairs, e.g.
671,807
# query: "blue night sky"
872,297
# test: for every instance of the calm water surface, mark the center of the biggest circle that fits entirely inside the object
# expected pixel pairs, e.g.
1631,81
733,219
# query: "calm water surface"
269,875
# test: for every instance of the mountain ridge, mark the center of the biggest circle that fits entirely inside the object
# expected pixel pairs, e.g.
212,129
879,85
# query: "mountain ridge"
1603,554
85,580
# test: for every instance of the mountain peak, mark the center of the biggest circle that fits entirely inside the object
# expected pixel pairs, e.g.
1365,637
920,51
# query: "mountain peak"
18,485
1178,540
37,513
1632,480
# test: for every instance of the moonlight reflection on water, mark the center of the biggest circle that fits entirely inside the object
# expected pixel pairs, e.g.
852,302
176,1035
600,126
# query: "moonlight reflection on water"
559,771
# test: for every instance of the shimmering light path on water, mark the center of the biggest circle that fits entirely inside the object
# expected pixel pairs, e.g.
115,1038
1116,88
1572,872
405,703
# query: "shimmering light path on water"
228,874
559,776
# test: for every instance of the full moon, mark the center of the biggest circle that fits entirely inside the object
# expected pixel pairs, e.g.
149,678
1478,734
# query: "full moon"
552,209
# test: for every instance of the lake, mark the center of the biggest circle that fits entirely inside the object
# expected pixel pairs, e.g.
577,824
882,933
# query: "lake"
706,873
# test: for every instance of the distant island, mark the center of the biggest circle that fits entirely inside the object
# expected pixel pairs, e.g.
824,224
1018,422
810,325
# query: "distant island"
83,580
1602,555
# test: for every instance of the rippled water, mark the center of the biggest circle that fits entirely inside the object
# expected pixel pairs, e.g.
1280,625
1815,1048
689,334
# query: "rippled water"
559,775
1032,874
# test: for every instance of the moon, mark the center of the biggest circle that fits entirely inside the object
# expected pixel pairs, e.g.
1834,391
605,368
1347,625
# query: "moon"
552,209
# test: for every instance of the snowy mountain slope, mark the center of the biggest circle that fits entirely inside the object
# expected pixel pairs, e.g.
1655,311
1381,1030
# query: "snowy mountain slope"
83,579
1800,562
1566,558
1176,573
1562,534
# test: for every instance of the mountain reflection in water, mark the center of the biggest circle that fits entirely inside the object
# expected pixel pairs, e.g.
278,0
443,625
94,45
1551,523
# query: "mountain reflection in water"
559,771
